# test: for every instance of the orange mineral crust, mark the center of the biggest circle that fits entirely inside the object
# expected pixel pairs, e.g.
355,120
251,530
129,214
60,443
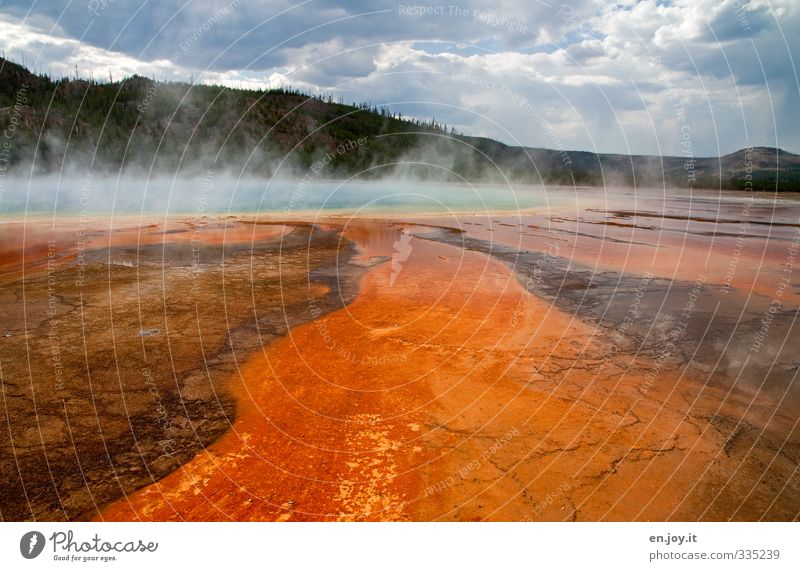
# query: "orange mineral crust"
28,244
446,391
115,357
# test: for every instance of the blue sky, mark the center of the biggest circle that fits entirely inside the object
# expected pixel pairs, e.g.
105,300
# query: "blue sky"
704,77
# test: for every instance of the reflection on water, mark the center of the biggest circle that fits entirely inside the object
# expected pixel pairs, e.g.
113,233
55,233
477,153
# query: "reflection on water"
372,237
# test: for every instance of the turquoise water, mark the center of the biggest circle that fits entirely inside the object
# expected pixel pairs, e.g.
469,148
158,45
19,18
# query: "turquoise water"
399,197
220,194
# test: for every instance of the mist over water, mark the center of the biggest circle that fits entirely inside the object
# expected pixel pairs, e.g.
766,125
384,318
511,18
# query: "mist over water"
220,194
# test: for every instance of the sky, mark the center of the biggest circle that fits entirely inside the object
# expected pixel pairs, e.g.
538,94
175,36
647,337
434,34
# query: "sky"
689,78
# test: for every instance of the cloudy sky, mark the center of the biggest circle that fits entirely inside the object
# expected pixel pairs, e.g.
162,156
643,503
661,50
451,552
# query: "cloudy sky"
704,77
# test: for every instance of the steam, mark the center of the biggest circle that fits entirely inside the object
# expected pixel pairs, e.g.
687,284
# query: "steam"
222,193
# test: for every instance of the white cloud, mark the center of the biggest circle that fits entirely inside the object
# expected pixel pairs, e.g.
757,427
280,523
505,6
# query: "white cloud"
606,77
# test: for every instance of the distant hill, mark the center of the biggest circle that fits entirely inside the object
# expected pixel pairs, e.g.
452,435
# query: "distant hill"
141,124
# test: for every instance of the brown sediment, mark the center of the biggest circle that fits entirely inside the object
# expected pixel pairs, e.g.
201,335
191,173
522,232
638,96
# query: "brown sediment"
456,394
627,214
114,355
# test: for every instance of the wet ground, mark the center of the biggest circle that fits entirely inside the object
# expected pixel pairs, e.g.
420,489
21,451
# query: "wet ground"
623,357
